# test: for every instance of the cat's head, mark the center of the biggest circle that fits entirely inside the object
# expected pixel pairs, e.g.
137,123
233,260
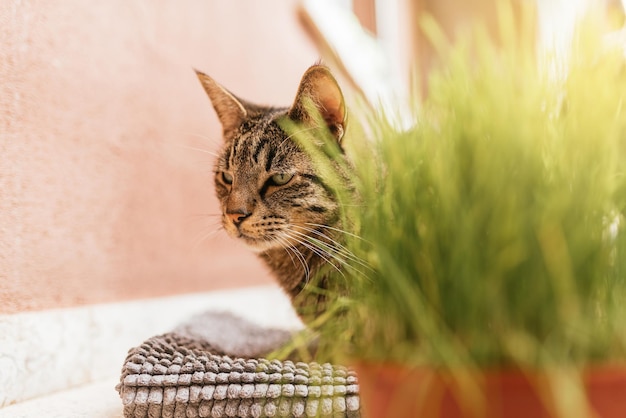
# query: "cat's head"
268,187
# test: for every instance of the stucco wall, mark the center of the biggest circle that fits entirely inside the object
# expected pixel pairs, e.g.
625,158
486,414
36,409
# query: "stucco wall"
101,196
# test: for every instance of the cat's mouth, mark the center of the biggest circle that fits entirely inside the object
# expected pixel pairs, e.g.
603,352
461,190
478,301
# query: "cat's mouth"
253,236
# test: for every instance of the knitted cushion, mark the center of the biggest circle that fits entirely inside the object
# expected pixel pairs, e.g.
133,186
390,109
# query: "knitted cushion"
189,373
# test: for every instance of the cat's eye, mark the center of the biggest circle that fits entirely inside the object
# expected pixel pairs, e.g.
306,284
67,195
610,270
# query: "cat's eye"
280,179
227,177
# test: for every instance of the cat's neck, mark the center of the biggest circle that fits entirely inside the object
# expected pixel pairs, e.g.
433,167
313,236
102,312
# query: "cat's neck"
295,272
293,267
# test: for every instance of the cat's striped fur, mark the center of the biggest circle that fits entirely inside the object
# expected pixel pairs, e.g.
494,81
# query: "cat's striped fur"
270,194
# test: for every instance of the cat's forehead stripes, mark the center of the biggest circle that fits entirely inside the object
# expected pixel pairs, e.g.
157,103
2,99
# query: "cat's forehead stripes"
260,144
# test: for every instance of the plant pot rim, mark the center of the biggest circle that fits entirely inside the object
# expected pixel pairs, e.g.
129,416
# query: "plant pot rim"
610,367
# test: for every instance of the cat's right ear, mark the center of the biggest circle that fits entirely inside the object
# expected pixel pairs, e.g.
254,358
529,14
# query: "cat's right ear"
319,88
230,111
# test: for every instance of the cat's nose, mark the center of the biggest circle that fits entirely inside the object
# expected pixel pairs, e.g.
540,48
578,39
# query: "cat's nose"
237,217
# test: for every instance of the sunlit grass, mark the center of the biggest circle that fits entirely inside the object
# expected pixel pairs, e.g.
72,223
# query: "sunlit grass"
494,229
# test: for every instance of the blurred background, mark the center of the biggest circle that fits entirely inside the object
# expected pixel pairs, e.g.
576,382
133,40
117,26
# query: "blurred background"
105,134
106,189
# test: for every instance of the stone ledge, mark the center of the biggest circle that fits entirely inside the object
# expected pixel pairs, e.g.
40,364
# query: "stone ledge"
50,351
95,400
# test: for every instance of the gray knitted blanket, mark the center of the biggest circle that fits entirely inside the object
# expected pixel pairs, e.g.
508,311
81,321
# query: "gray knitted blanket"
213,366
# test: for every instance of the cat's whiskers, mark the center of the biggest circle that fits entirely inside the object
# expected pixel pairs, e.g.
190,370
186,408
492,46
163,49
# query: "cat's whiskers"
211,153
286,248
326,242
335,229
217,227
336,247
284,242
203,221
346,259
331,242
316,249
324,254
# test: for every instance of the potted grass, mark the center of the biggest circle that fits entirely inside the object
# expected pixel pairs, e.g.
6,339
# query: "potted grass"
487,247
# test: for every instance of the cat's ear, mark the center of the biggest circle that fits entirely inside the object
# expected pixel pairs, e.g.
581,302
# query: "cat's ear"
230,110
320,89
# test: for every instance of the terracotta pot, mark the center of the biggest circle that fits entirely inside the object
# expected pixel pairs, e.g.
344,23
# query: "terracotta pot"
395,392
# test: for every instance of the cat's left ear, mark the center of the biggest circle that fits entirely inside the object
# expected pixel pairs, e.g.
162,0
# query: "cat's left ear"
319,88
230,110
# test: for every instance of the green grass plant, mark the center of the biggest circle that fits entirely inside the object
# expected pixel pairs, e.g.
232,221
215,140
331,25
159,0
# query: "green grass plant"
493,230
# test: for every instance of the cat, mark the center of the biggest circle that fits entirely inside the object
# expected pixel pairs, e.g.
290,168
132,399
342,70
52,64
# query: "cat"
270,193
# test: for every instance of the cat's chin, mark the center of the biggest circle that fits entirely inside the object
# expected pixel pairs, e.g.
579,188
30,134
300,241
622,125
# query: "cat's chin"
261,246
257,245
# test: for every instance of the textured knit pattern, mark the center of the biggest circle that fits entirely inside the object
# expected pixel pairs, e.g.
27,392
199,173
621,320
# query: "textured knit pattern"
173,375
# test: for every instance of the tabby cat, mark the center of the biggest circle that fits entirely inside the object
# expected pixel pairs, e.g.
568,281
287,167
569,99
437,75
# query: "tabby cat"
271,195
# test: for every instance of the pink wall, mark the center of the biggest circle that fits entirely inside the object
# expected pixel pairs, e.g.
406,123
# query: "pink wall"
100,197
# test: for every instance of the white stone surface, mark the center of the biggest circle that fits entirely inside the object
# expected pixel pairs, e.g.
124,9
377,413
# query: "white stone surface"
50,351
96,400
